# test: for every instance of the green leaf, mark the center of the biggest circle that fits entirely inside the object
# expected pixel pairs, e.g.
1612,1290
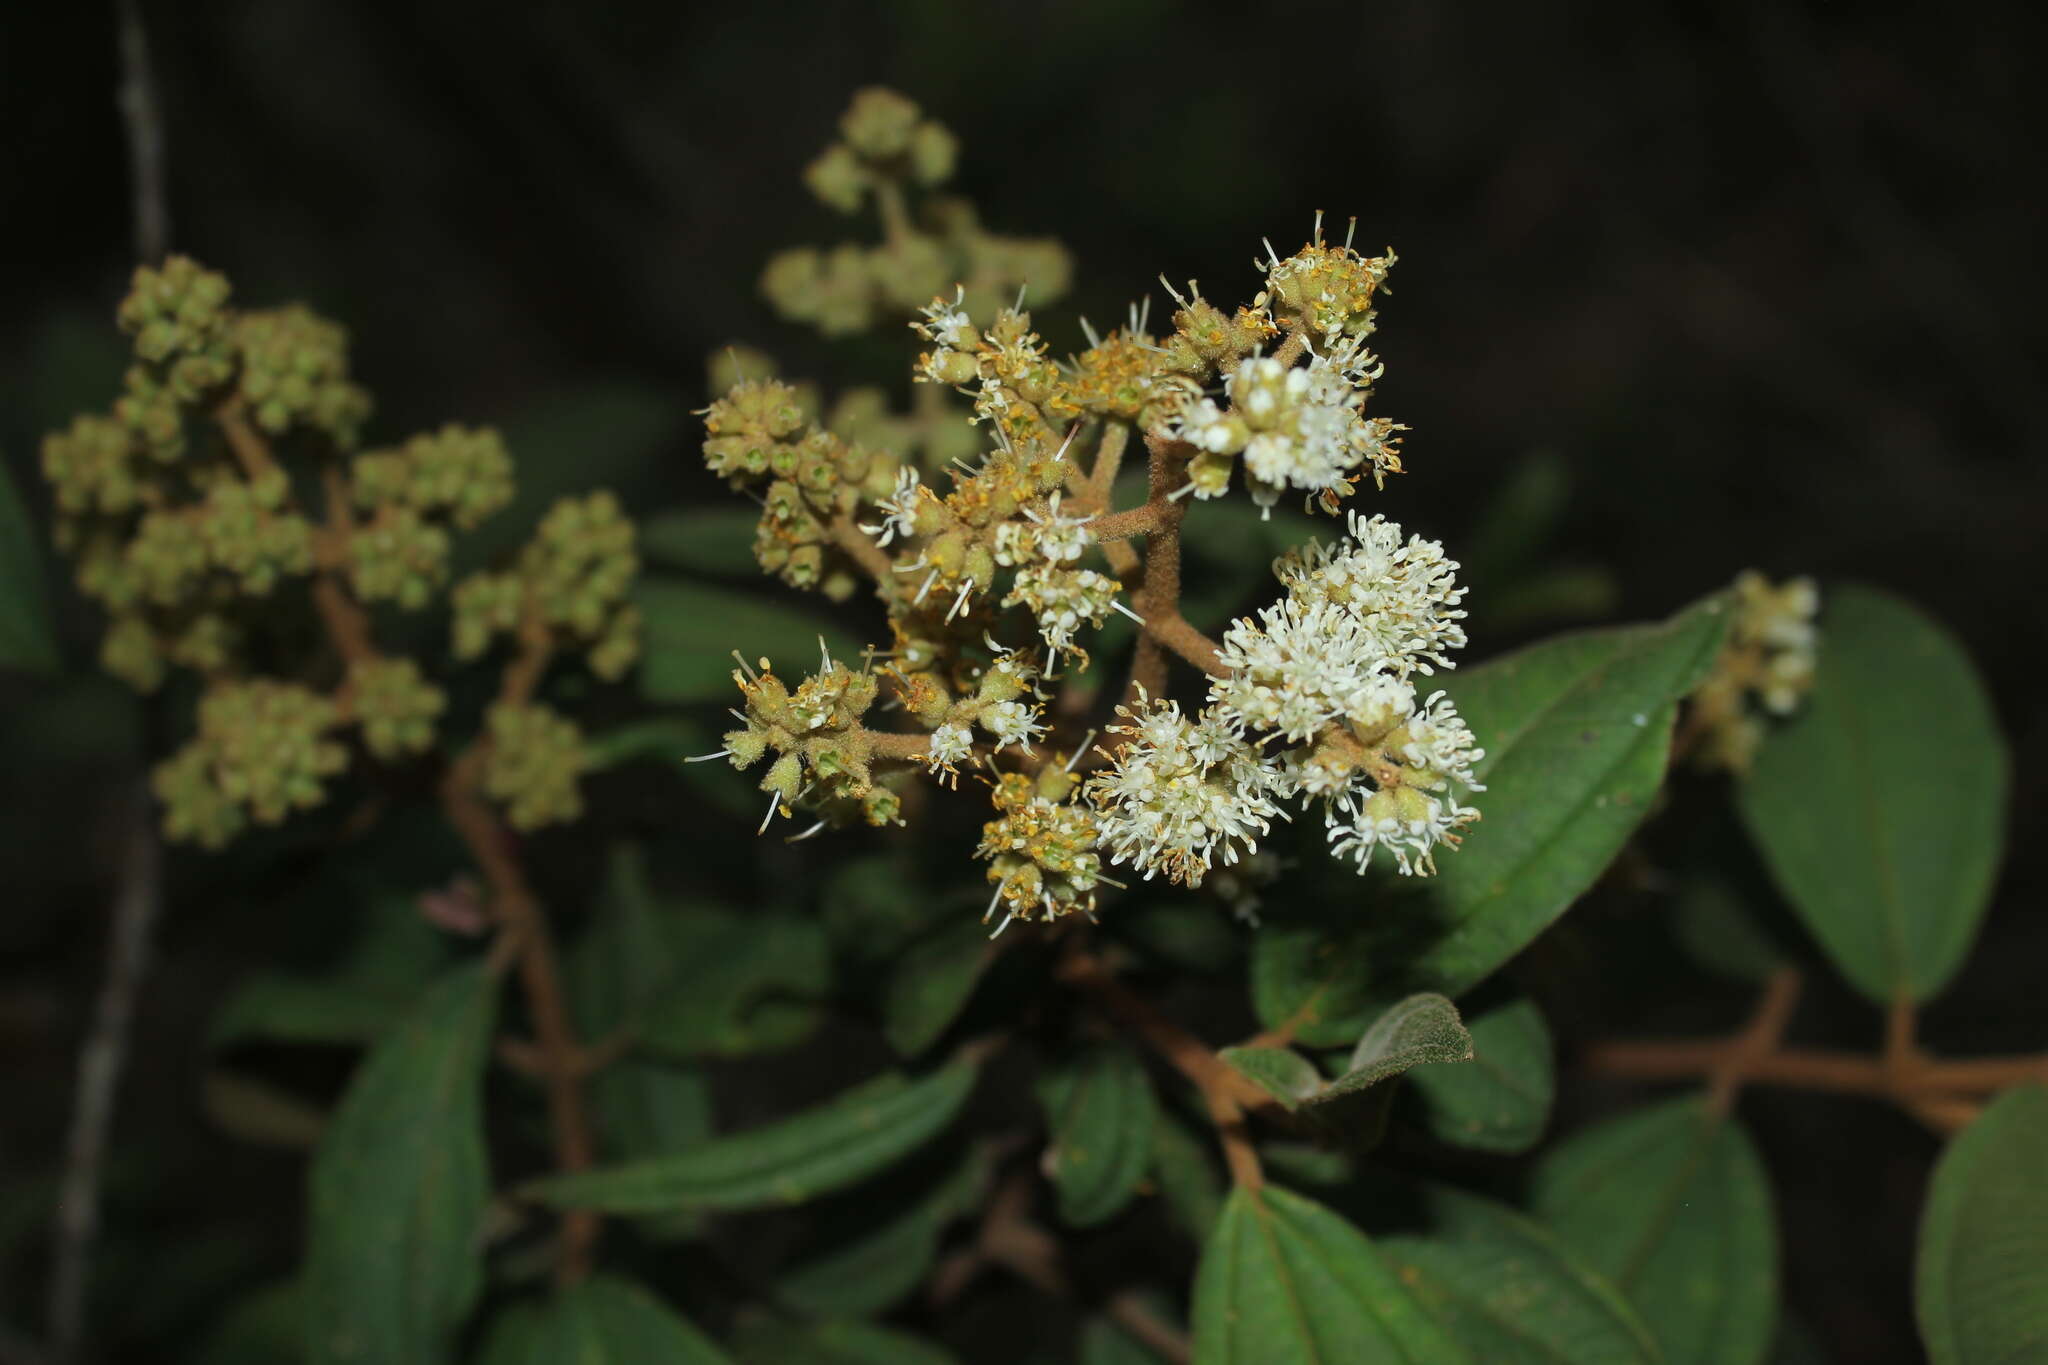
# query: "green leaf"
692,629
766,1341
1671,1203
691,981
1718,931
603,1321
1102,1113
1577,733
1511,1294
1285,1074
1981,1276
883,1263
394,1256
1284,1281
932,982
863,1131
1187,1178
1880,806
1500,1100
711,540
1421,1030
26,640
1105,1343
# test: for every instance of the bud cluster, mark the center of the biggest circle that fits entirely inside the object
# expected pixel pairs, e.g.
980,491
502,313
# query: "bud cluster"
182,511
887,152
1764,669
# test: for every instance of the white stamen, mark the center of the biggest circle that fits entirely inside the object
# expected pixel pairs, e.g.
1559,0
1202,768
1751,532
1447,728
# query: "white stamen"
918,600
1128,612
706,758
961,600
774,802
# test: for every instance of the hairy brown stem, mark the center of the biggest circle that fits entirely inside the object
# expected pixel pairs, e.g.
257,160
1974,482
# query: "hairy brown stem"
1227,1094
519,914
1763,1035
1141,520
1941,1093
871,558
1175,632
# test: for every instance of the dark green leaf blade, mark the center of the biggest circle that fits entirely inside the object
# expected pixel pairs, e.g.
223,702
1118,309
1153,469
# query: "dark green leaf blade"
394,1261
767,1341
886,1261
1101,1111
1500,1100
692,629
1880,806
603,1321
931,983
1284,1281
1577,733
1981,1276
823,1149
1671,1203
712,540
1511,1294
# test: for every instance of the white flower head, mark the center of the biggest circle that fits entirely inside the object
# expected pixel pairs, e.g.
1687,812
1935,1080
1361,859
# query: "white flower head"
1302,665
950,744
1404,595
1182,794
1408,823
1011,722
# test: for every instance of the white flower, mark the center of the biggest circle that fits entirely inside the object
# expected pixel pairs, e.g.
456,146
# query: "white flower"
1405,596
899,509
1406,822
1063,600
949,744
946,324
1303,665
1438,743
1043,537
1182,794
1011,722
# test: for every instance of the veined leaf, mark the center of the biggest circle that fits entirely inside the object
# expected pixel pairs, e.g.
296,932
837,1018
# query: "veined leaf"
1101,1111
885,1262
1421,1029
1671,1204
868,1128
1285,1074
1186,1173
1981,1278
1511,1294
1284,1281
1500,1100
932,982
767,1341
1880,805
1577,733
603,1321
713,540
394,1261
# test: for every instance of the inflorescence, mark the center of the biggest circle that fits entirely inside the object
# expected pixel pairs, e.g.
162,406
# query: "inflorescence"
223,501
996,567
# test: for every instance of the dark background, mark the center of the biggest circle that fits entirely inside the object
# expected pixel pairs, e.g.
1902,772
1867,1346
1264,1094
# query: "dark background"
1766,280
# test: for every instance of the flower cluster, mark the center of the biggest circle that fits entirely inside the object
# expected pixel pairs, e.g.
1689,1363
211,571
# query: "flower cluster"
997,566
890,156
1764,669
1315,701
182,509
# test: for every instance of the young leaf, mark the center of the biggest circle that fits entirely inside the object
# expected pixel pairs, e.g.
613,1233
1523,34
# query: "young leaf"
1880,806
1577,732
603,1321
1671,1203
1284,1281
767,1341
1981,1277
1101,1111
1422,1029
1286,1075
932,982
1500,1100
692,629
1511,1294
863,1131
26,640
394,1261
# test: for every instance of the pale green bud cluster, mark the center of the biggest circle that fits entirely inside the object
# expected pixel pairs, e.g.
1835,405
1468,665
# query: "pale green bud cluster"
295,374
264,749
533,764
888,149
822,755
177,315
461,474
395,706
573,577
1041,847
